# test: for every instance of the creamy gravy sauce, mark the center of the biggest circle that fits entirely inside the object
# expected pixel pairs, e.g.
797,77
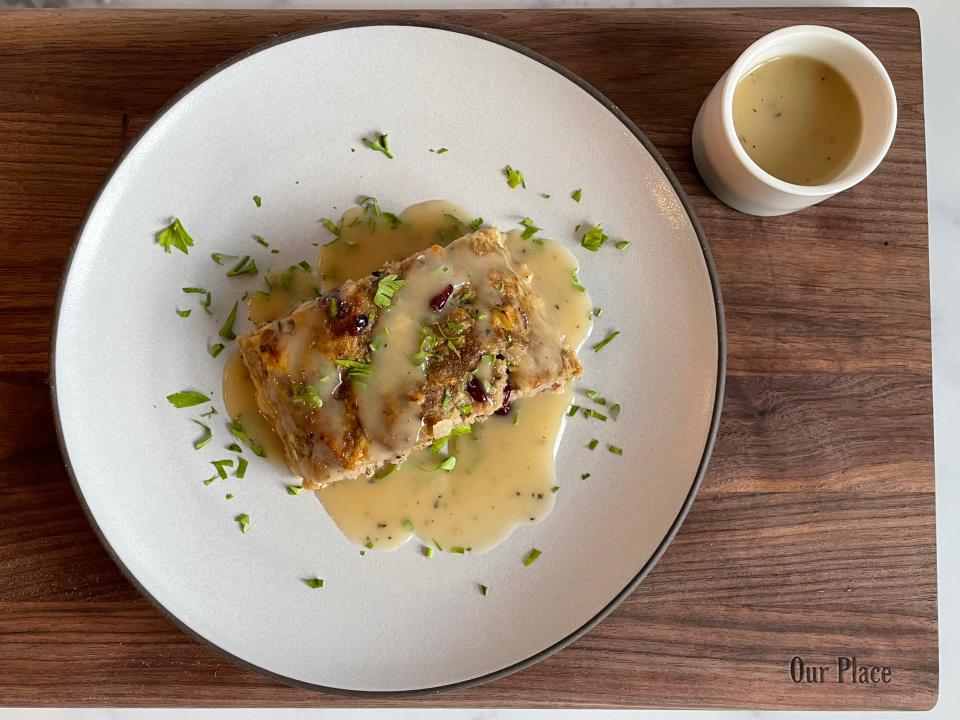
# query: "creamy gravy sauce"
798,119
504,473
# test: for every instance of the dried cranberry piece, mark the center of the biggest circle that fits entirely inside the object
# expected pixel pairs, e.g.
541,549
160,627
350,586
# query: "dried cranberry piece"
440,299
505,408
477,391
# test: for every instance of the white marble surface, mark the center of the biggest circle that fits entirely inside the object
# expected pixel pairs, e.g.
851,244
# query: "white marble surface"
940,21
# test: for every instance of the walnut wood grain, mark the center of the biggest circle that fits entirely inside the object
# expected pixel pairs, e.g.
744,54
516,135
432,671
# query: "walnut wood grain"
814,532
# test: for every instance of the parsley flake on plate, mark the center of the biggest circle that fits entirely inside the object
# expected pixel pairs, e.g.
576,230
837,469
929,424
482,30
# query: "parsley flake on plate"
187,398
243,520
244,266
221,258
577,194
529,229
313,582
257,200
593,238
606,341
226,331
380,144
531,557
331,226
205,439
514,177
221,466
175,235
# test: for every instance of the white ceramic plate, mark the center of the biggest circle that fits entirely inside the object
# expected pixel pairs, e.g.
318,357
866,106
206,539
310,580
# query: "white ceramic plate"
280,122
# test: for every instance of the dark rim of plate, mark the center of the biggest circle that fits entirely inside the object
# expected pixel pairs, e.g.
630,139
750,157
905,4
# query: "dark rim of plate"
714,421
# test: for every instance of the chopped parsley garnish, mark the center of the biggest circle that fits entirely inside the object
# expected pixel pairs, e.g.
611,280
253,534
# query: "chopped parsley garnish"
234,447
606,341
465,409
622,245
332,306
554,488
529,229
216,349
305,266
458,550
294,489
531,557
313,582
210,413
593,444
183,313
229,496
484,590
200,291
592,394
577,194
545,196
241,468
407,525
260,240
590,412
441,151
368,545
175,235
573,410
392,220
236,429
615,411
331,226
357,370
593,238
257,200
576,282
207,436
514,177
427,551
387,287
226,331
597,312
584,476
244,266
209,480
380,145
220,258
475,223
447,398
615,450
187,398
447,465
243,520
221,466
308,395
369,205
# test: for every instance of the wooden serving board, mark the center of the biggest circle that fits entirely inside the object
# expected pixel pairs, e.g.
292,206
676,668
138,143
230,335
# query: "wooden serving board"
813,535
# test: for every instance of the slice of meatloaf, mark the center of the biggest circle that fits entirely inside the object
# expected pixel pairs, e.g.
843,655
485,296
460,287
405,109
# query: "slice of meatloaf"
359,378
